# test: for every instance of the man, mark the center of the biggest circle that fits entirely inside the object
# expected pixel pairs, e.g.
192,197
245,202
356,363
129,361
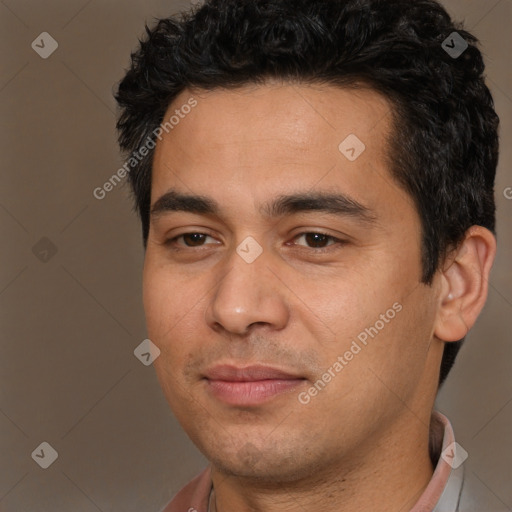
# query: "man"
315,183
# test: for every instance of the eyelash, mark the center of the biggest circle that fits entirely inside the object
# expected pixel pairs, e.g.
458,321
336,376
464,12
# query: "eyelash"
336,241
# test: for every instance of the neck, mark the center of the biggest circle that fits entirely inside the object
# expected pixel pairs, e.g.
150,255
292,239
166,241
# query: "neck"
393,471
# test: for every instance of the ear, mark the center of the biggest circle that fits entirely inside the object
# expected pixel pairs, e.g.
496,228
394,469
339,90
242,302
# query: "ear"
464,284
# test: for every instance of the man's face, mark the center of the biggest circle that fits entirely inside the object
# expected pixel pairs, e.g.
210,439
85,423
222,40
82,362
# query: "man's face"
337,281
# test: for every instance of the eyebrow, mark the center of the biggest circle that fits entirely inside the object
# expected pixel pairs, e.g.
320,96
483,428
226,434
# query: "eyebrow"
338,204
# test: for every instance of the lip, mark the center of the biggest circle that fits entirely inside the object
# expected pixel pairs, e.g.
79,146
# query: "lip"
250,385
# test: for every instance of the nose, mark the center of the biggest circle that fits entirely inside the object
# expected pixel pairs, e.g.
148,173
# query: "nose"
249,294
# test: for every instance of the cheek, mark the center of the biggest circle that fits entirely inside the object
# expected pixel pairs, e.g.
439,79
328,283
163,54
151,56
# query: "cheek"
381,306
168,303
395,353
169,307
345,302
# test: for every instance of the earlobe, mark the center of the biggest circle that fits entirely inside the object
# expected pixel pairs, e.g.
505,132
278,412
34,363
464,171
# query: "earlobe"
464,287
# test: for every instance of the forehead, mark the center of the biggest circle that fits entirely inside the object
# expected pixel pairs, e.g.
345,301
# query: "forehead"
300,116
268,139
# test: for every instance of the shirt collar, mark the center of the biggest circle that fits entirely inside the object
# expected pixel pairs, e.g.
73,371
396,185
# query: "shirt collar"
442,494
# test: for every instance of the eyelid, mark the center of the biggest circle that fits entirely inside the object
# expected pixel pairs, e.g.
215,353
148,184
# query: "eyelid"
173,240
335,241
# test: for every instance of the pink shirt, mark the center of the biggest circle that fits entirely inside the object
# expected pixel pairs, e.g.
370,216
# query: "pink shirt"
441,495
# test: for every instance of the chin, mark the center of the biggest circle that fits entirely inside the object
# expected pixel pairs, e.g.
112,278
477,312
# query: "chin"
265,465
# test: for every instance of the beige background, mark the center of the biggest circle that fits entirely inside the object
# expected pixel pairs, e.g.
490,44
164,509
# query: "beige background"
69,325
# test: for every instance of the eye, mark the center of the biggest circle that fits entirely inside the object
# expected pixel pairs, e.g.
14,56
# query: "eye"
314,240
318,240
190,239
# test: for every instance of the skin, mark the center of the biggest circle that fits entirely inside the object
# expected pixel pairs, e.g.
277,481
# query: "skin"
363,438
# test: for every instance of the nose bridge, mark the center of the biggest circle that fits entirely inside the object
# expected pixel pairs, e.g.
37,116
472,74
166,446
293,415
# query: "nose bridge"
248,293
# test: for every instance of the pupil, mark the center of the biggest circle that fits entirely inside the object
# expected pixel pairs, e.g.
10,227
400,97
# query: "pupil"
194,238
316,239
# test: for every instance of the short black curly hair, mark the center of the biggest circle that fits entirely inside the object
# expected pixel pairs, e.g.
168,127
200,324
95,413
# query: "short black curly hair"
444,150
